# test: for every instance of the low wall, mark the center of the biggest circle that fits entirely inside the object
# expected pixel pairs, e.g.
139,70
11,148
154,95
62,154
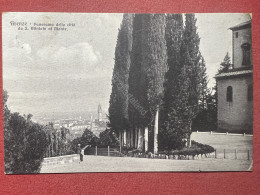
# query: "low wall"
218,133
60,159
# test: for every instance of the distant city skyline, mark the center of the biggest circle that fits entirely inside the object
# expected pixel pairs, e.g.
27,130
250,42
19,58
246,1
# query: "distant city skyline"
68,73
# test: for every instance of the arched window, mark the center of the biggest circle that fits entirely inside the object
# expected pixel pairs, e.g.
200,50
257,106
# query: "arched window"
229,94
250,92
246,54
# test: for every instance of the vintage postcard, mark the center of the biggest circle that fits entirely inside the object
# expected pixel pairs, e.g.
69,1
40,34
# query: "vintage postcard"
104,92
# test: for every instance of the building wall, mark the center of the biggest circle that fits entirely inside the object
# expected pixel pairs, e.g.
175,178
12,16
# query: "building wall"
238,114
244,36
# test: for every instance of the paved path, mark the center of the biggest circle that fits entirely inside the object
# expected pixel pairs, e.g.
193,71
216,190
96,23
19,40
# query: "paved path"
224,141
128,164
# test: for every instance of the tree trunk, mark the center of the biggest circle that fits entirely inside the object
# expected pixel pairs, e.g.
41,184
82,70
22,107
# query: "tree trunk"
132,138
146,139
140,138
120,140
128,137
189,136
156,121
124,137
136,137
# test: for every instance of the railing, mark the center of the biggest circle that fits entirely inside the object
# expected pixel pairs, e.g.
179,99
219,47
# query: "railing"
218,133
103,151
237,154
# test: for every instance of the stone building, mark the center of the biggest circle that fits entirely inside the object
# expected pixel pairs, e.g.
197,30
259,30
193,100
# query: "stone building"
235,86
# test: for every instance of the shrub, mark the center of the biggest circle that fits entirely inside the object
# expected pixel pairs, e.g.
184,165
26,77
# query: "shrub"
195,150
25,145
108,138
87,138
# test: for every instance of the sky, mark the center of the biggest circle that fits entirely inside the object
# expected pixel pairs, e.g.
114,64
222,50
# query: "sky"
68,73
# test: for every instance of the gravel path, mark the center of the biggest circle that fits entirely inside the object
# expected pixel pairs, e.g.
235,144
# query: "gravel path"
127,164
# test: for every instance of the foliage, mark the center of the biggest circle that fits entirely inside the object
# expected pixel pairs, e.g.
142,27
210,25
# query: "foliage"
189,78
206,120
195,150
154,59
130,151
173,36
5,108
87,138
25,145
27,142
185,82
167,73
204,91
225,65
190,57
171,135
136,80
58,141
108,138
118,109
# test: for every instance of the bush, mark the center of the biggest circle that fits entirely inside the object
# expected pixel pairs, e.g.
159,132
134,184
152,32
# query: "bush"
130,151
108,138
195,150
87,138
25,145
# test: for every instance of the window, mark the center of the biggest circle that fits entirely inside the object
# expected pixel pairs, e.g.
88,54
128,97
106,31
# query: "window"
236,34
250,92
246,54
229,94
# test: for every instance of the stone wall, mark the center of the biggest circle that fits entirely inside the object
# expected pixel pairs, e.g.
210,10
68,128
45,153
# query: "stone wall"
236,115
61,159
244,36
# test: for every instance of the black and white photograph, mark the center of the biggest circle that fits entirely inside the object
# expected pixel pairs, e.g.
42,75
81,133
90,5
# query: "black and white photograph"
126,92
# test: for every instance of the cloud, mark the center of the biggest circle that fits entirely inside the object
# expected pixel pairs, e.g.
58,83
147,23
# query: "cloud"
68,62
16,59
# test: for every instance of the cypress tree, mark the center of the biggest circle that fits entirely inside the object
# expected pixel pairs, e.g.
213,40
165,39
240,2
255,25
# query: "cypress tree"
118,109
203,85
225,65
154,65
169,137
135,70
190,56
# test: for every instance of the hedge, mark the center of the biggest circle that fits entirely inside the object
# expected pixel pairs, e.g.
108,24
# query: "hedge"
196,149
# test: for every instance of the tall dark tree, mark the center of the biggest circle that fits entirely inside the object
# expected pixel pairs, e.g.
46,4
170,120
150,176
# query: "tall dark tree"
181,112
203,84
225,65
169,136
118,110
135,72
108,138
154,66
190,56
183,85
138,105
206,118
173,36
25,142
6,110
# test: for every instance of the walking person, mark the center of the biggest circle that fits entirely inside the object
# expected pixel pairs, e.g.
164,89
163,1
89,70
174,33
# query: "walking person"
80,153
